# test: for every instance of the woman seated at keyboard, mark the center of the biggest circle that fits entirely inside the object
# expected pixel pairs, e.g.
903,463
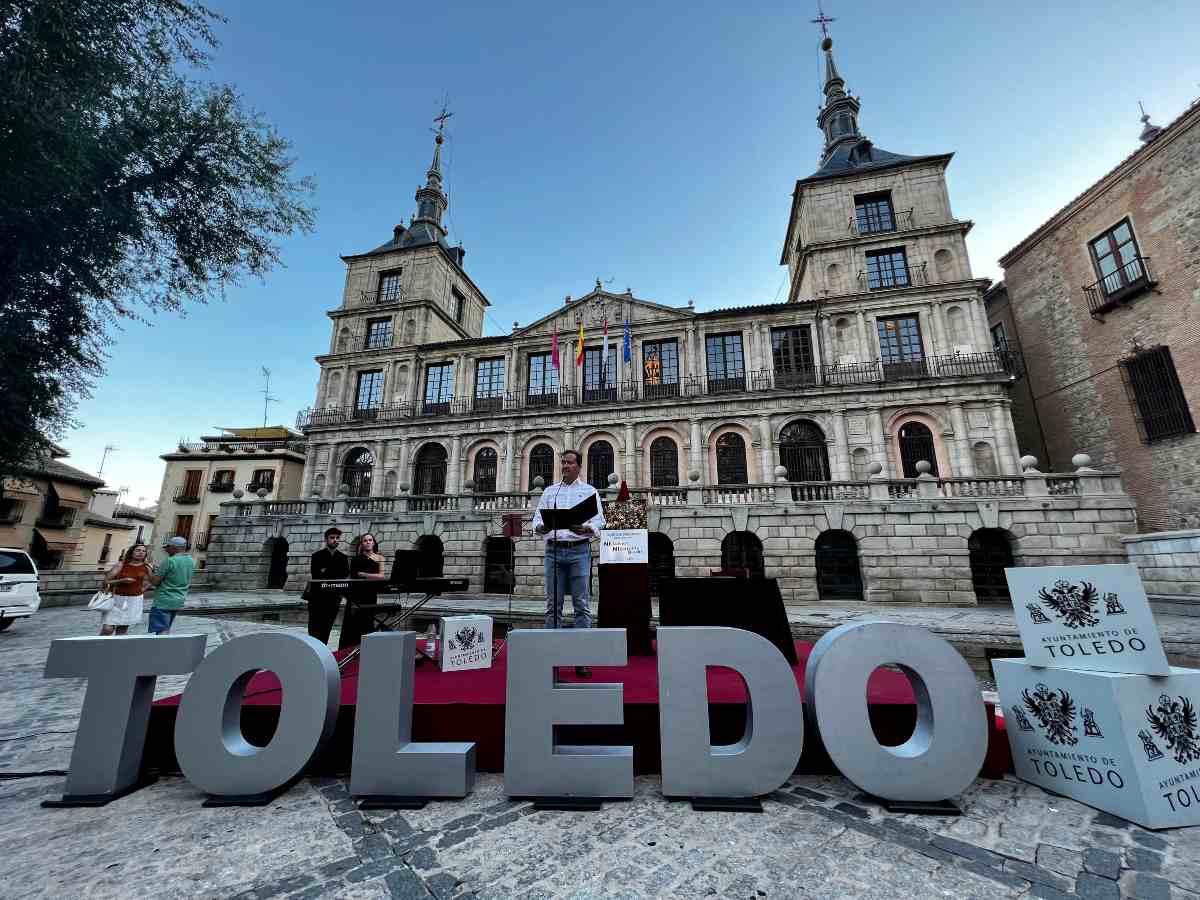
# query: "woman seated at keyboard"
367,565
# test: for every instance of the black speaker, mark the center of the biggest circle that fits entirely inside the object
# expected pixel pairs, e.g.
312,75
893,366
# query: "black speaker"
406,567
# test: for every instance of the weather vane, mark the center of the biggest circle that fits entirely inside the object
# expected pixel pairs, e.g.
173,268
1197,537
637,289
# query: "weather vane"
441,120
822,20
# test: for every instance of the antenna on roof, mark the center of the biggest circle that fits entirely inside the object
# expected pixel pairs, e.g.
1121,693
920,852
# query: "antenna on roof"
266,392
108,448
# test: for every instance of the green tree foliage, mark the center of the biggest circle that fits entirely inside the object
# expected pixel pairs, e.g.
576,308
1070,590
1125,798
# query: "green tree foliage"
127,184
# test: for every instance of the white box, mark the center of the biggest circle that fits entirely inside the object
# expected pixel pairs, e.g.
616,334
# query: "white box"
1086,617
464,642
624,545
1126,744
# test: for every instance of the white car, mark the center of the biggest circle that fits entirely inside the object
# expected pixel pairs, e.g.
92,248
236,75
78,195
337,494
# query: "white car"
19,595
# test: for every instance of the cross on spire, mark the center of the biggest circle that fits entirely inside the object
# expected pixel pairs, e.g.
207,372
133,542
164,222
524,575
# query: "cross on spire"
441,120
822,20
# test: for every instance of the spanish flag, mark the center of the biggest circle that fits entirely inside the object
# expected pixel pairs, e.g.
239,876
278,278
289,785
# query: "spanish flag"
579,346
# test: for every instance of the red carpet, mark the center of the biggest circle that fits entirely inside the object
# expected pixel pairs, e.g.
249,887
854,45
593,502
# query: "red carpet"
469,706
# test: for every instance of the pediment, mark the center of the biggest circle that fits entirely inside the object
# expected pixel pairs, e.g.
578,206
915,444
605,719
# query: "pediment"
617,307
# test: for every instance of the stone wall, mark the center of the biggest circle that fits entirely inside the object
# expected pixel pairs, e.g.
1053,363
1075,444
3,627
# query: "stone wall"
1169,563
912,551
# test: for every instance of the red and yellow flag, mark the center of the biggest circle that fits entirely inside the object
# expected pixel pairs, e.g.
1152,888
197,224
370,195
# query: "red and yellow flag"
579,346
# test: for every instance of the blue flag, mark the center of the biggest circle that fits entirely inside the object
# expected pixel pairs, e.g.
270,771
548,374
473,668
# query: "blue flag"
627,351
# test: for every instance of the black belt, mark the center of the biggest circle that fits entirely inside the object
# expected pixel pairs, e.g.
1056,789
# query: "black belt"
556,543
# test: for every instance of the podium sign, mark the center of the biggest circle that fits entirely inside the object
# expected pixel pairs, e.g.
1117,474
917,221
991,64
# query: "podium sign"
624,545
464,642
1095,618
1126,744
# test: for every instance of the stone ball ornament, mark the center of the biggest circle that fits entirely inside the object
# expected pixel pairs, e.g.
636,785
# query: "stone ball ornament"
693,474
262,492
539,482
1028,462
1081,460
923,467
343,490
875,468
238,493
612,479
781,472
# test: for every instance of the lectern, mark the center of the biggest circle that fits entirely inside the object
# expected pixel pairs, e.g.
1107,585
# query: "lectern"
625,586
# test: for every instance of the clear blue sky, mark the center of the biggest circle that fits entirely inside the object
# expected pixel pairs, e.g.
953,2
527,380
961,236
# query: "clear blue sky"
653,144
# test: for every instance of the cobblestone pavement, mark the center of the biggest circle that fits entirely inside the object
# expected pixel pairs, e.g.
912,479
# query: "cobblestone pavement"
817,838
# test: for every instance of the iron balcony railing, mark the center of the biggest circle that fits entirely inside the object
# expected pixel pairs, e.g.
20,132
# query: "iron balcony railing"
241,446
804,377
898,220
221,487
56,518
910,275
1121,285
186,495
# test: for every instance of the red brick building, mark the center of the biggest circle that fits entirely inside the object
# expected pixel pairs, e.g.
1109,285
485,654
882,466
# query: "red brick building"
1105,302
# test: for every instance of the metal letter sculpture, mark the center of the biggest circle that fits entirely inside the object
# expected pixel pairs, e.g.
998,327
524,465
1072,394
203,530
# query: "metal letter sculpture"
936,762
534,765
209,744
386,762
766,756
120,673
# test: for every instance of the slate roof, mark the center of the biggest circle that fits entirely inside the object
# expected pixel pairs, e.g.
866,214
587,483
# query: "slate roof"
52,468
857,157
421,234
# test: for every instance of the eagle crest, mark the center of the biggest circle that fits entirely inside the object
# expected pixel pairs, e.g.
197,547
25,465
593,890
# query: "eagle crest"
1174,720
1054,712
1074,605
466,638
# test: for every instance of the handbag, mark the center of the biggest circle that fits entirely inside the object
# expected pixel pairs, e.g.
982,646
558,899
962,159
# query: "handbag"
102,601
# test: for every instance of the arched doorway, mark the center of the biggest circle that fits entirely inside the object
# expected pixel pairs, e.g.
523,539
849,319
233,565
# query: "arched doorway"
743,550
278,572
485,471
498,565
990,554
356,472
599,464
916,444
803,453
431,562
839,576
731,459
662,560
664,463
429,470
541,464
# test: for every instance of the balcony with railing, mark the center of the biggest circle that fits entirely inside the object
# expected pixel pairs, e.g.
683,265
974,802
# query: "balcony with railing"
909,275
222,487
888,223
1120,286
232,447
993,363
255,485
59,517
186,495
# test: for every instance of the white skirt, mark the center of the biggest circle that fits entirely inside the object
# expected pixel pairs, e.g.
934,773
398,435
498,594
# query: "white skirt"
129,614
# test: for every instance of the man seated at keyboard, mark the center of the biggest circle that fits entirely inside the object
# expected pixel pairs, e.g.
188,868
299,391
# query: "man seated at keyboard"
328,564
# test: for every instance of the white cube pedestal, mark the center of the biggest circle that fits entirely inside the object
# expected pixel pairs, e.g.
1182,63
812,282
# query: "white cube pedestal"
1126,744
464,642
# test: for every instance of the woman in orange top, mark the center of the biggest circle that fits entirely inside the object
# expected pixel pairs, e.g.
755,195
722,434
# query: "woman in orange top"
127,580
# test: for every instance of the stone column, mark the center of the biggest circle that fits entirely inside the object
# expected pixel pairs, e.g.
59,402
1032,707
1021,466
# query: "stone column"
414,382
1006,459
696,454
510,370
941,338
841,447
766,451
962,440
454,477
690,347
631,464
507,470
402,464
461,379
753,352
377,472
569,439
879,448
983,341
865,347
331,476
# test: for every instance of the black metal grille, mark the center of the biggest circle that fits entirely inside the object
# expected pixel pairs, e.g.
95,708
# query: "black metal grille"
485,471
1153,385
541,463
356,472
731,459
429,470
916,444
664,463
802,451
743,550
990,555
839,576
599,464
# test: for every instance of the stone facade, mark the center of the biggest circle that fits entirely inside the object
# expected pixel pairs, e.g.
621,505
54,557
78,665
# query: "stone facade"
1081,326
1169,563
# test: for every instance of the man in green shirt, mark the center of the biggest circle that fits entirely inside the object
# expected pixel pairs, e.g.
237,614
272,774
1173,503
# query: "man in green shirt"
171,581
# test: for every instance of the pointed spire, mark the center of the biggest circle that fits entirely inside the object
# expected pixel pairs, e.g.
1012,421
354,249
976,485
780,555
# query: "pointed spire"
1149,132
431,200
838,118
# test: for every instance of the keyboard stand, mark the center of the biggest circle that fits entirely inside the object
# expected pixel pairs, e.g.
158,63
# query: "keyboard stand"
392,622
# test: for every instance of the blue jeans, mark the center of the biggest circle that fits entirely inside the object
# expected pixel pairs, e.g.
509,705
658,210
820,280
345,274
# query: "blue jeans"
161,620
574,565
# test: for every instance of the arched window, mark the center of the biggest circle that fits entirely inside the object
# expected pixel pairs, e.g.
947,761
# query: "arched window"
860,460
485,471
990,555
916,444
803,453
664,462
743,550
662,560
731,459
429,470
839,576
498,565
356,472
985,460
599,464
541,463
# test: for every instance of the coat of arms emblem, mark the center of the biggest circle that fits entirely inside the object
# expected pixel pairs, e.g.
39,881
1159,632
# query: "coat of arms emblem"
1090,728
1112,605
1021,719
1036,615
466,638
1174,720
1151,748
1075,605
1055,712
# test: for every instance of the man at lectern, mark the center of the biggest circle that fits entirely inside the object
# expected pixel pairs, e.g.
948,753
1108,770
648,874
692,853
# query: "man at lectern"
568,561
327,564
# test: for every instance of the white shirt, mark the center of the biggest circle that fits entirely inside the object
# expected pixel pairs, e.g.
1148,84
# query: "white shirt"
564,496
